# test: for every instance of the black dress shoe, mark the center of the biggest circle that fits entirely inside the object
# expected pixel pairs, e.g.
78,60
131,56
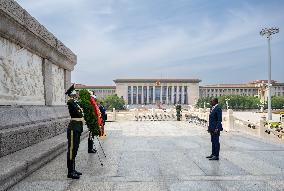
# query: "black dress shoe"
76,172
208,157
214,158
92,151
73,175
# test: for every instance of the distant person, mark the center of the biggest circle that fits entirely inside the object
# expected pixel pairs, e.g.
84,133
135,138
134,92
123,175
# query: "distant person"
93,100
214,128
104,116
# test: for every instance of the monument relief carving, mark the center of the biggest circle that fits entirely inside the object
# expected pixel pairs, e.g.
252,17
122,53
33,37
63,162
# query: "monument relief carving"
20,15
21,79
58,91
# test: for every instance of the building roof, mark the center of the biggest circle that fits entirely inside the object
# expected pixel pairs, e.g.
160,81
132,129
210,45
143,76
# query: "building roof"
230,86
278,84
262,81
82,86
152,80
252,84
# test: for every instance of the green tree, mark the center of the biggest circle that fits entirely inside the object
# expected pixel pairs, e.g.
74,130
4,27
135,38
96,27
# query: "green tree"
235,102
204,101
112,101
116,102
277,102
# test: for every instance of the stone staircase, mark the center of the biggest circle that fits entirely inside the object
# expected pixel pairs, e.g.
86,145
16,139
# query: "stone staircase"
30,136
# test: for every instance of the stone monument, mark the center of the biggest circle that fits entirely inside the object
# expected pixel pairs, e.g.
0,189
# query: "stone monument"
35,70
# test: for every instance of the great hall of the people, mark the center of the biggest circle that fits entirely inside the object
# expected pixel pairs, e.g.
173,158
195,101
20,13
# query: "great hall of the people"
178,91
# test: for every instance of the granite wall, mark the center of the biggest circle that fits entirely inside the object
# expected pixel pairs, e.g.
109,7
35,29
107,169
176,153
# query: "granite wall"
35,71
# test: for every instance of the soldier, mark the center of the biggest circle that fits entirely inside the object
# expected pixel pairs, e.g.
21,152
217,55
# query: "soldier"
74,130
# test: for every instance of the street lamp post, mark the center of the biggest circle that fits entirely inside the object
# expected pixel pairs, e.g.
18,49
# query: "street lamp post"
227,102
205,104
267,32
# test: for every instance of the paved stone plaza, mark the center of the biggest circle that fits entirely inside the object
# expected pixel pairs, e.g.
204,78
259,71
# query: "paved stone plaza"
166,155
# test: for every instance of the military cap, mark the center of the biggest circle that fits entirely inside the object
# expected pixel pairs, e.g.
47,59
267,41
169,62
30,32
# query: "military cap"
70,89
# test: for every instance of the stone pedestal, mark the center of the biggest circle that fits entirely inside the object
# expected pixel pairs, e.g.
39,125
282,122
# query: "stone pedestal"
35,71
261,130
153,111
207,112
229,123
114,114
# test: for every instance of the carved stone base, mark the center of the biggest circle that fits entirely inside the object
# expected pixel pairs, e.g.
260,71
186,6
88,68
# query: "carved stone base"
19,100
24,126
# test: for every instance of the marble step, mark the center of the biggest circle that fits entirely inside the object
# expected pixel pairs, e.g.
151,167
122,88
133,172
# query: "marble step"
18,165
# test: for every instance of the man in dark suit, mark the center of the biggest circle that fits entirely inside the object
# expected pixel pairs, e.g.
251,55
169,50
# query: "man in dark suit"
214,128
104,117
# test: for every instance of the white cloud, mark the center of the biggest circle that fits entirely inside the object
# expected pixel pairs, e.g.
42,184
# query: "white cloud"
118,38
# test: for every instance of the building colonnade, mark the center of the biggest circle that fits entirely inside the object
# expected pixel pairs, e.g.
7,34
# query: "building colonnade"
151,94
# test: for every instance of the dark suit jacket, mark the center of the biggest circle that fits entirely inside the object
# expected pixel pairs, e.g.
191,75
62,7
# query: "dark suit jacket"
215,119
103,112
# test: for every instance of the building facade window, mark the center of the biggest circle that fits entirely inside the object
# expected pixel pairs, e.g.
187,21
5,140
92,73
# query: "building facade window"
134,94
164,94
170,94
139,94
185,95
129,94
151,94
175,94
179,94
145,94
157,94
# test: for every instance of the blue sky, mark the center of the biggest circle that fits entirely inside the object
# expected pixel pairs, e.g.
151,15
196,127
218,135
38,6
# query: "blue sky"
216,41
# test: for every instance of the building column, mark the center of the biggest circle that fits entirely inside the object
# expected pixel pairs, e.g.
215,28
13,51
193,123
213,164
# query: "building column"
178,95
167,95
172,96
142,98
137,95
48,82
154,99
161,94
147,94
182,95
187,94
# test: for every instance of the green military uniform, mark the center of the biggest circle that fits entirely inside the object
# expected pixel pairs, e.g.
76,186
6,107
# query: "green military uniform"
75,128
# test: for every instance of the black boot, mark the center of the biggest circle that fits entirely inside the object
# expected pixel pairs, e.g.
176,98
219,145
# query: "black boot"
70,166
74,169
71,173
92,151
91,145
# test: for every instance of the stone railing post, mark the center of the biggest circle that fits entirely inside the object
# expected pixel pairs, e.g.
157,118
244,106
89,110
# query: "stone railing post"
114,114
207,112
136,113
229,125
200,111
261,130
153,111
